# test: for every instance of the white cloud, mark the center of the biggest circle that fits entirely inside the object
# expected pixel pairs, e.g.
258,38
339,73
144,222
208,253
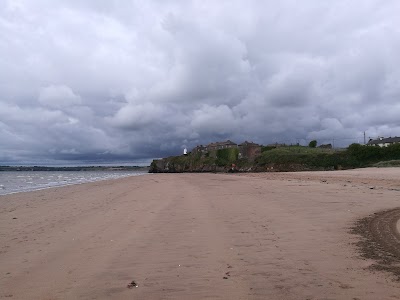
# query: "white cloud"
58,96
137,117
217,120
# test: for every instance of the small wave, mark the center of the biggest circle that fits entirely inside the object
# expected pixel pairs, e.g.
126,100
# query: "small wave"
20,183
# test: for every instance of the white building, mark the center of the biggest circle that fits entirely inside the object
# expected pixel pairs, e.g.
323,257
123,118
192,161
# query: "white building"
384,142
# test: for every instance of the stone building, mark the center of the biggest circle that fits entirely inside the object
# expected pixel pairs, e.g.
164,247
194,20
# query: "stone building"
221,145
199,149
249,150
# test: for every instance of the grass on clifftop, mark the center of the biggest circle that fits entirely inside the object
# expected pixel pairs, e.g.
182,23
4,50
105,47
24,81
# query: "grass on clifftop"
309,158
293,150
290,158
355,156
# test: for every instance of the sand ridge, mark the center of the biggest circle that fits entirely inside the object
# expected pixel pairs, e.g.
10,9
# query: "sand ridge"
197,236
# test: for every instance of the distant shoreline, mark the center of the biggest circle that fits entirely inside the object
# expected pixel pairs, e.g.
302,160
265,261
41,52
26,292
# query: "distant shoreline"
77,168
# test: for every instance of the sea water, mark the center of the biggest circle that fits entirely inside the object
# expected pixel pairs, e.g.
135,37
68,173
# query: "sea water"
25,181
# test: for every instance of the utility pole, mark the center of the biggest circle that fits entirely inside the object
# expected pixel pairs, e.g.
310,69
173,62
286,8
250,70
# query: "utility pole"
333,143
364,138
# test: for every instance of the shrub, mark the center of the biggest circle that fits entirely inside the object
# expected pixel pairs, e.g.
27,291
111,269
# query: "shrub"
391,152
365,153
312,144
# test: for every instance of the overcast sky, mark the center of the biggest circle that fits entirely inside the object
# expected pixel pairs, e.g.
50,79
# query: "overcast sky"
111,81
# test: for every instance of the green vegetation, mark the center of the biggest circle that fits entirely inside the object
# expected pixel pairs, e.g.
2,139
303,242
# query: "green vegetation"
188,162
287,158
267,148
312,144
300,149
298,157
227,156
355,156
371,154
387,164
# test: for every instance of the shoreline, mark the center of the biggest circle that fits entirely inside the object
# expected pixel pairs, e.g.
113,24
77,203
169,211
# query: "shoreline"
219,236
62,184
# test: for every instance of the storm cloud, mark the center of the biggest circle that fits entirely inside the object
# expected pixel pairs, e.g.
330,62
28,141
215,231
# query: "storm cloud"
113,81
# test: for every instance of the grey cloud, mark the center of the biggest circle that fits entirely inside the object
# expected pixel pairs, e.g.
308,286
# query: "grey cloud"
128,80
137,116
209,119
58,96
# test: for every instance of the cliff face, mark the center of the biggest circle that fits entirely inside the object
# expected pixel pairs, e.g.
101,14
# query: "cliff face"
278,159
178,165
214,161
282,159
170,165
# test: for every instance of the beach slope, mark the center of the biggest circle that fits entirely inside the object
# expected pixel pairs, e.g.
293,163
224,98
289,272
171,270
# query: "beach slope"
197,236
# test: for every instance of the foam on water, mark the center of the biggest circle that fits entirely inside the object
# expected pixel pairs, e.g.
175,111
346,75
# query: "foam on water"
24,181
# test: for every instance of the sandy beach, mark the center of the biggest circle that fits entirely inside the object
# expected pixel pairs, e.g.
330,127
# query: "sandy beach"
197,236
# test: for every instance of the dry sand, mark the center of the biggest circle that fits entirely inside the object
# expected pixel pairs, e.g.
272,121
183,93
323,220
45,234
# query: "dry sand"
197,236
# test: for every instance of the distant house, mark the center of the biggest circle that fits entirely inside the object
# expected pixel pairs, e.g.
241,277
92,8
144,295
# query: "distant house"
249,150
384,142
199,149
221,145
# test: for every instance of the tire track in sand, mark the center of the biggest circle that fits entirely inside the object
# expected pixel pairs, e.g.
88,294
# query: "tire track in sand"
380,240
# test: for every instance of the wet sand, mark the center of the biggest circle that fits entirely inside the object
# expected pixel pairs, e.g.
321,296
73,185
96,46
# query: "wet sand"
197,236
